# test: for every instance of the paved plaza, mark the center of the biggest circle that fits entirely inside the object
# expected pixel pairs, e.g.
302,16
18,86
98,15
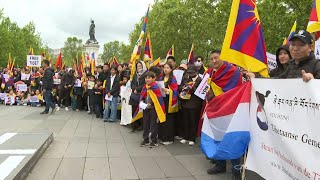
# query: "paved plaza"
87,148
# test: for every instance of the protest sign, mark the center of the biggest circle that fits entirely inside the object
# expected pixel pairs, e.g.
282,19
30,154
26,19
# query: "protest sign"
34,98
272,62
284,129
2,96
201,90
178,74
25,77
317,49
6,77
161,85
22,87
56,81
34,60
90,84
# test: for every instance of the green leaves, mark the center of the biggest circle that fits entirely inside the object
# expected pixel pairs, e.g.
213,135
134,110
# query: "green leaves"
204,23
72,46
17,41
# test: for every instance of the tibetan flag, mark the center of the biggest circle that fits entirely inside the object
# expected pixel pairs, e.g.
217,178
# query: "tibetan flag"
137,48
314,20
43,54
59,61
225,131
170,52
114,61
92,63
30,51
225,78
148,51
9,62
293,29
156,62
244,41
155,94
191,56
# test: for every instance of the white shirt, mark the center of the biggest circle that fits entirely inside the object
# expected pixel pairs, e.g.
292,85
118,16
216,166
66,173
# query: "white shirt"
112,79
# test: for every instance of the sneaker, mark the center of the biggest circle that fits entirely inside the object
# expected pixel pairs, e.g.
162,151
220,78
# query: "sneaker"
178,137
54,110
44,112
144,143
167,143
77,110
38,105
216,170
25,104
183,141
66,108
88,112
153,144
191,143
58,108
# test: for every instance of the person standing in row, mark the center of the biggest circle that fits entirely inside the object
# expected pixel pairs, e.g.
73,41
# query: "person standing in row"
47,85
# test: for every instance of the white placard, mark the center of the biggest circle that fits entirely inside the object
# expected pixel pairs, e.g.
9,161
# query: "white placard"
56,81
108,98
90,84
202,89
25,77
9,99
34,60
22,87
161,85
6,77
77,83
143,105
272,62
284,129
2,96
34,98
178,74
317,49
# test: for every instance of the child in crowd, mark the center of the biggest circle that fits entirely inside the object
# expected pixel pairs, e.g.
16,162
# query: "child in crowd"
151,102
90,92
126,109
10,99
40,97
33,99
98,98
77,94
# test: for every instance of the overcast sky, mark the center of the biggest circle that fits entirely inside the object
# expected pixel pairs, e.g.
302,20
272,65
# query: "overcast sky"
58,19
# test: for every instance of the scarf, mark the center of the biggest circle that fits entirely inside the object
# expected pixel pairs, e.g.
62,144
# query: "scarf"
154,92
173,96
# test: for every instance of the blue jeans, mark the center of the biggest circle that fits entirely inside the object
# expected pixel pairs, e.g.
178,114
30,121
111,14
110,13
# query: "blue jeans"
47,97
113,105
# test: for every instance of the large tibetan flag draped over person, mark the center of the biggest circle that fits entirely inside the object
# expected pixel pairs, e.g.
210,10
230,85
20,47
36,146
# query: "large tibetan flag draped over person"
148,51
293,29
154,92
138,45
225,131
59,61
314,20
224,79
191,56
244,43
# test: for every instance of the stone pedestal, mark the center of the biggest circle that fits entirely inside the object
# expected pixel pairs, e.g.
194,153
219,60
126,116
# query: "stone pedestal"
93,48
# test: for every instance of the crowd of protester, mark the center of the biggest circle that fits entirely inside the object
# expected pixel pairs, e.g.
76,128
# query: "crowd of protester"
160,104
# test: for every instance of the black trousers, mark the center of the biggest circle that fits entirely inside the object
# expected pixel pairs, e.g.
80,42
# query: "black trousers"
65,95
166,129
79,102
150,125
189,127
178,124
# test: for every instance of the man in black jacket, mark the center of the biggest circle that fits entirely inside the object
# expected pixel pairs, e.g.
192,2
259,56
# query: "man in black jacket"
47,85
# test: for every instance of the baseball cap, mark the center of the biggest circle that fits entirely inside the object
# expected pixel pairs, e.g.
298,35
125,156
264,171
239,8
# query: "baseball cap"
303,35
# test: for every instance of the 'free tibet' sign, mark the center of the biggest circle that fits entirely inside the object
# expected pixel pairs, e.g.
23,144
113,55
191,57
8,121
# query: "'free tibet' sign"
34,60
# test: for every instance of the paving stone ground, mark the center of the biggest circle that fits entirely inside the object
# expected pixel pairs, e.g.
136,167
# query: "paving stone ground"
87,148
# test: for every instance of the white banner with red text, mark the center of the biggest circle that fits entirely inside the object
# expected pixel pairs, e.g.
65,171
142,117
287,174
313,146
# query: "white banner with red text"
285,129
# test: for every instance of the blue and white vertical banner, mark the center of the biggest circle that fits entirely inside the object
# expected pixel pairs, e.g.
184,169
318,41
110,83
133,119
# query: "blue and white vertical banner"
285,129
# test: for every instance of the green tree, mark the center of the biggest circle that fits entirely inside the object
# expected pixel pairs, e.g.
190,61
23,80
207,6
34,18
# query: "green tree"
17,41
117,49
204,23
72,46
